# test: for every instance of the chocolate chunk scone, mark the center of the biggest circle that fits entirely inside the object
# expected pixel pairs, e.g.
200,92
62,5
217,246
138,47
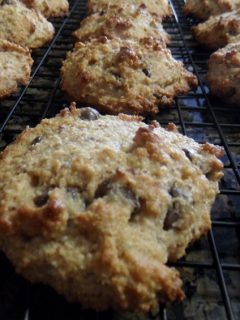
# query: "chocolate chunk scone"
223,76
124,76
220,30
203,9
95,206
49,8
15,67
125,22
24,26
160,8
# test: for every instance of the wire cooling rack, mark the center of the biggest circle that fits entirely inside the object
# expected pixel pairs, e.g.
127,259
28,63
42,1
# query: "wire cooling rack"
211,268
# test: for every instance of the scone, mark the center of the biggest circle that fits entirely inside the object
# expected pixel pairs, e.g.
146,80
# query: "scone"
160,8
220,30
24,26
124,76
15,67
95,206
49,8
203,9
223,76
123,21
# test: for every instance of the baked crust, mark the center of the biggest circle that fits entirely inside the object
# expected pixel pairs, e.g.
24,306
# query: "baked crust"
220,30
95,206
160,8
125,21
15,66
223,76
205,8
49,8
124,76
24,26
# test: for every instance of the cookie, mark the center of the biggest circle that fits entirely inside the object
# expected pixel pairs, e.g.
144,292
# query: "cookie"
160,8
223,76
205,8
124,76
95,206
49,8
24,26
126,22
15,67
218,31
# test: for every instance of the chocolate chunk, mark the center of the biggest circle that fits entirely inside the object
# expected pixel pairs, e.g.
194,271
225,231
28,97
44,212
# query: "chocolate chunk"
174,192
36,140
116,75
103,188
171,217
233,32
146,72
41,200
158,96
129,194
188,154
101,13
89,114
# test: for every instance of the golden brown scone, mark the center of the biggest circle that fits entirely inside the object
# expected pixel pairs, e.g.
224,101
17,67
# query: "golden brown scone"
203,9
220,30
124,76
24,26
160,8
49,8
223,76
95,205
15,67
123,21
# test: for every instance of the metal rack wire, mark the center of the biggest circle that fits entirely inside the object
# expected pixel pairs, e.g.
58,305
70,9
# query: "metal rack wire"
211,269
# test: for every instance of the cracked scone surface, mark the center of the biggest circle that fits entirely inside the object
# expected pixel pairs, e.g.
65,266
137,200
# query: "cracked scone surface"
205,8
49,8
223,76
124,76
95,206
220,30
125,22
24,26
15,67
160,8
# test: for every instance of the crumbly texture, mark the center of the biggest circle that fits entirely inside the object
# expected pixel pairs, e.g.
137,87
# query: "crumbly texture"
125,21
205,8
95,206
220,30
49,8
160,8
24,26
15,67
124,76
223,76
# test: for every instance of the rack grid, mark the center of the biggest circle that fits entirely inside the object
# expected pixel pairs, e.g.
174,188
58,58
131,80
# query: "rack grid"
211,268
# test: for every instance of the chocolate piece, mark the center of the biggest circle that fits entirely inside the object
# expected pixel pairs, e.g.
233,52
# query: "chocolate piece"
146,72
174,192
41,200
103,188
171,217
89,114
36,140
188,154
